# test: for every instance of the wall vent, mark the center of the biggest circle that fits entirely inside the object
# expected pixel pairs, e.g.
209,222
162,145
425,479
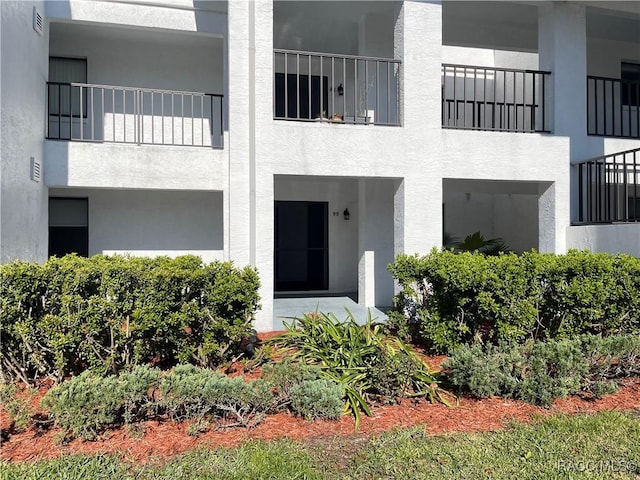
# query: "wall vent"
38,21
36,170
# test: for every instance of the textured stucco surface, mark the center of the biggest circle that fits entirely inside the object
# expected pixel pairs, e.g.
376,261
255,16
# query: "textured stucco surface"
605,238
24,70
77,164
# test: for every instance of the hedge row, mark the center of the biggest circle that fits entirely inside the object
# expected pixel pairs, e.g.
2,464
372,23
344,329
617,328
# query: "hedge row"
539,372
108,312
455,299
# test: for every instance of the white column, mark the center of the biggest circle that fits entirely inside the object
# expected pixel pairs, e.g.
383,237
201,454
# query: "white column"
366,262
562,48
241,134
418,200
418,43
547,220
262,179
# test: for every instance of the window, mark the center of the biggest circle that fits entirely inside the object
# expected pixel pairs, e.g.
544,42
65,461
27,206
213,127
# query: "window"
64,100
68,226
630,76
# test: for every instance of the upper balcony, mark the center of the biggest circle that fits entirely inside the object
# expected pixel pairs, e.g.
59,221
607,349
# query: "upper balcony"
123,104
336,88
500,83
334,62
613,105
501,99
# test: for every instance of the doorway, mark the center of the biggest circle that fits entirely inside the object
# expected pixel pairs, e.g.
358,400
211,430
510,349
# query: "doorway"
301,246
68,226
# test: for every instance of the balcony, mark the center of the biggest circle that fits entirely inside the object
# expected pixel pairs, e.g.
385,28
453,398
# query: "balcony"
114,114
322,87
613,107
609,188
487,98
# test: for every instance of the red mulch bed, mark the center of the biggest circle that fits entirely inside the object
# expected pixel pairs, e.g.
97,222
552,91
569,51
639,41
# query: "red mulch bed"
163,439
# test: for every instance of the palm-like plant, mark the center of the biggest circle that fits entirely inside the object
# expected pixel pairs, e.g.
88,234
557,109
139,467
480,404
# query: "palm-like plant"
477,243
351,354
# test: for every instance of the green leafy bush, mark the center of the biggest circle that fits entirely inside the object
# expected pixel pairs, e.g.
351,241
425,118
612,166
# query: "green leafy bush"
454,299
539,372
106,313
351,355
317,399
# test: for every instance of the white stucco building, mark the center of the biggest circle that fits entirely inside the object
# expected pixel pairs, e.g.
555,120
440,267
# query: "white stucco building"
317,139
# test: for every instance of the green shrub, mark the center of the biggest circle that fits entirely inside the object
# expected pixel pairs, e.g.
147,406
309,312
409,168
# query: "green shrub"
555,369
136,390
286,374
351,355
181,391
19,410
191,392
84,405
455,299
317,399
539,372
107,313
485,371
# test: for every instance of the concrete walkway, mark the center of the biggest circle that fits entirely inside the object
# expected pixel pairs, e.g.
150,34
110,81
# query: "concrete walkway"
287,308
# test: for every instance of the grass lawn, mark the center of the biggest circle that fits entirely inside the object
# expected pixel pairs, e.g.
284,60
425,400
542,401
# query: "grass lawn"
604,445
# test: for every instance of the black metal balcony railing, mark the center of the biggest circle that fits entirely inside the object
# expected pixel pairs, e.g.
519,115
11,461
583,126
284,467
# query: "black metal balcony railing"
609,188
103,113
503,99
312,86
613,107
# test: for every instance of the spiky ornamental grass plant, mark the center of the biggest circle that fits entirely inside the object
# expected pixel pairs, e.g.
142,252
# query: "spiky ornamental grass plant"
361,359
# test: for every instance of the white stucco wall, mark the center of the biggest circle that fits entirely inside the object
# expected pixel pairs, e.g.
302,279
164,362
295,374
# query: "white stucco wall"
484,57
142,58
150,223
78,164
23,202
168,14
605,238
605,56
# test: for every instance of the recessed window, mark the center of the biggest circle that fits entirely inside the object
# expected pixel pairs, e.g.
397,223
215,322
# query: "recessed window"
630,76
68,226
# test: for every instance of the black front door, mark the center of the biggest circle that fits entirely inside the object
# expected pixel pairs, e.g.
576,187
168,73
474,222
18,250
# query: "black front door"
301,246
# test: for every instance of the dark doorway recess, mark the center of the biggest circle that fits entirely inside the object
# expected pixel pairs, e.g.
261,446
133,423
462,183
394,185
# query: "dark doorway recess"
301,246
68,226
